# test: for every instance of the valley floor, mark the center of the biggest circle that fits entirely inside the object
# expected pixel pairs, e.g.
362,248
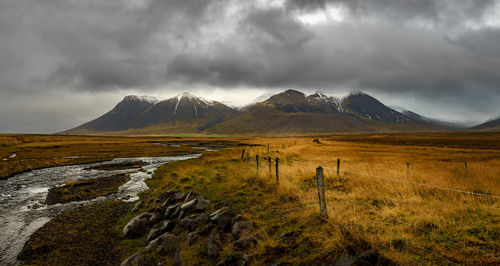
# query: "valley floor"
415,198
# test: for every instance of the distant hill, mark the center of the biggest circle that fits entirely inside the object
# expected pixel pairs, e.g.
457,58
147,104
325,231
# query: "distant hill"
365,106
415,116
292,111
492,125
122,117
183,113
288,112
185,108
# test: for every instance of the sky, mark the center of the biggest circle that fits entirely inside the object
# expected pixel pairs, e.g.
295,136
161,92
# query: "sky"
65,62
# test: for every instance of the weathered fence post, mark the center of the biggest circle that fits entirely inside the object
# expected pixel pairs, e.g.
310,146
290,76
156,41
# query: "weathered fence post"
268,148
407,169
465,168
242,153
321,190
269,165
277,172
338,166
257,162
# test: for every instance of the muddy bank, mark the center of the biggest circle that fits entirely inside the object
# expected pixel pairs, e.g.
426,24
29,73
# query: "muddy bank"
22,197
84,236
86,189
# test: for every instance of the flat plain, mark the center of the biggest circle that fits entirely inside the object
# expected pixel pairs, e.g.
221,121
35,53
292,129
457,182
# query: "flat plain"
416,198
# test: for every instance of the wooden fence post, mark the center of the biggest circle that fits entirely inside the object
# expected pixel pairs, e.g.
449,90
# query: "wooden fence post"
465,168
242,153
321,190
407,169
338,166
257,162
267,148
277,172
269,165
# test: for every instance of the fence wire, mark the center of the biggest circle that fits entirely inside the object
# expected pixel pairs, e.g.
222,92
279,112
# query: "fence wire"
446,239
409,182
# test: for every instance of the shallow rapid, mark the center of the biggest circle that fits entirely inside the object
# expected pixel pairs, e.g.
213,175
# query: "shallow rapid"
22,197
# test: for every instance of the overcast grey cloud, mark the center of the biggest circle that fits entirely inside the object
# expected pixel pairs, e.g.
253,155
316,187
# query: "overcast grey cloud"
63,62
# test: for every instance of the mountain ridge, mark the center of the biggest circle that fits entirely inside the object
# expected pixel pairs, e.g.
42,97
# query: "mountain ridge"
289,111
492,125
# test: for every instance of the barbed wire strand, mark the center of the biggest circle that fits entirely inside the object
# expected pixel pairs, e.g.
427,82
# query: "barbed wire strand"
401,222
411,182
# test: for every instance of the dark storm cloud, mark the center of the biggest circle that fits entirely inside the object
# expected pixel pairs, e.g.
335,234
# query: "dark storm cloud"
429,49
95,44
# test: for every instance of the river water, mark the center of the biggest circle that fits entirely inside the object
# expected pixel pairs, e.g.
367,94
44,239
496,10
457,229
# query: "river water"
22,197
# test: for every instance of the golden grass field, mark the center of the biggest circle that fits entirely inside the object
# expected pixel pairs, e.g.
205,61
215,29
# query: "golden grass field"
411,224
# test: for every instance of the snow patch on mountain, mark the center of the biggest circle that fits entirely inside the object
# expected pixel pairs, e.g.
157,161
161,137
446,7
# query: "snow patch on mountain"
142,98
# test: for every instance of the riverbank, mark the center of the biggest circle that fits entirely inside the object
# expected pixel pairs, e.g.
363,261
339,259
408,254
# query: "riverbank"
377,209
84,236
24,209
86,189
21,153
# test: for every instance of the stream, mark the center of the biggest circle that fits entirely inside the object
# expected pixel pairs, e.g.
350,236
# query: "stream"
22,197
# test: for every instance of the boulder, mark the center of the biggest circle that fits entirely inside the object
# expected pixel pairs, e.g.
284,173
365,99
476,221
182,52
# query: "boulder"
139,205
202,204
192,222
191,195
171,211
153,234
169,201
158,215
159,229
241,225
137,259
373,257
167,245
165,196
244,243
188,206
187,223
214,246
346,260
191,238
137,226
223,218
179,196
221,205
207,229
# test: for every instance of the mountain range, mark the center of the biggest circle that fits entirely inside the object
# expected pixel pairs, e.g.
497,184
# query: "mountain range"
288,112
491,125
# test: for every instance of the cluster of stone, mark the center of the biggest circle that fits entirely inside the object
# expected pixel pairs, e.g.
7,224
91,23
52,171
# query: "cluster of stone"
195,215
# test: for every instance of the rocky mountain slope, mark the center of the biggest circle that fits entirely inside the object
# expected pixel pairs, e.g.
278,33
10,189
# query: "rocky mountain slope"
294,112
492,125
288,112
183,112
121,117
